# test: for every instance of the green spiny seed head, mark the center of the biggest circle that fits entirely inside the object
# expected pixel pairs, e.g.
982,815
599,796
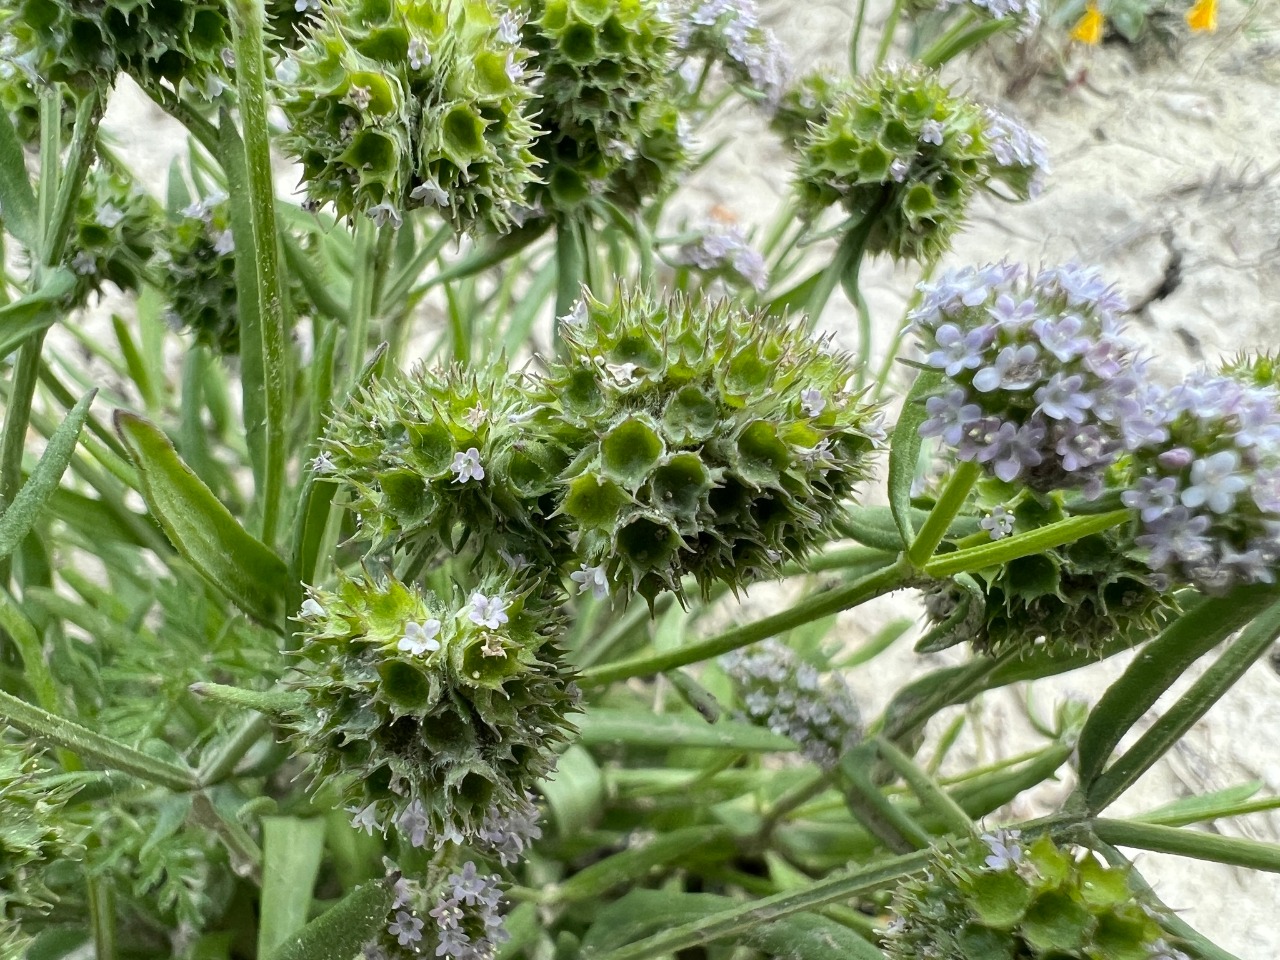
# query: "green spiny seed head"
116,232
395,105
805,103
1071,598
20,93
431,710
606,98
435,460
33,831
81,42
1255,369
1000,898
899,147
713,442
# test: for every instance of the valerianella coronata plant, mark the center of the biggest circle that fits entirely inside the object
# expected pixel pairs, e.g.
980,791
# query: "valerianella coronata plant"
115,234
899,147
77,42
1003,898
435,461
605,98
458,916
405,104
711,442
729,32
434,714
1041,387
1208,496
780,691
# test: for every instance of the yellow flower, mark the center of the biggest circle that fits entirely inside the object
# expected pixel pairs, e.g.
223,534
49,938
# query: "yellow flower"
1089,28
1203,17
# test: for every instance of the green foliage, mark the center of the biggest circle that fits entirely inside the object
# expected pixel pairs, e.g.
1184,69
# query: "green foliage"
116,232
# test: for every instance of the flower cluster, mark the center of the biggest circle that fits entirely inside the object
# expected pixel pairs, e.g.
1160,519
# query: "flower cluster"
899,148
115,233
725,253
729,31
1207,496
176,41
676,437
706,440
459,917
787,695
1041,386
606,101
406,104
1000,896
434,715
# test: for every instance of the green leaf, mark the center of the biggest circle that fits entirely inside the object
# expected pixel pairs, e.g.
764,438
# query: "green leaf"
36,311
605,726
1161,662
1231,802
30,501
904,450
17,200
1185,842
291,852
576,794
1024,544
201,528
635,862
809,936
1255,641
341,931
644,912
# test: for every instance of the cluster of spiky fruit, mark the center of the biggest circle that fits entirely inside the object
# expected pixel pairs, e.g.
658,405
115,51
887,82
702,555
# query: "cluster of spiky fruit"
897,146
79,42
115,233
1000,898
676,438
1073,598
401,104
605,98
432,710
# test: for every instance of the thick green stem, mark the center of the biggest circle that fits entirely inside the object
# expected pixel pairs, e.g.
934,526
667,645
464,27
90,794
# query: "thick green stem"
1024,544
102,916
1185,842
930,794
221,762
876,584
247,29
61,732
944,512
887,32
361,300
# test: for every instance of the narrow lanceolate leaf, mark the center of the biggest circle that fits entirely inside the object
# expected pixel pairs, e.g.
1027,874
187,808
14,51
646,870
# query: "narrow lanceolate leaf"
201,528
339,933
292,848
17,200
35,312
20,517
1158,665
904,451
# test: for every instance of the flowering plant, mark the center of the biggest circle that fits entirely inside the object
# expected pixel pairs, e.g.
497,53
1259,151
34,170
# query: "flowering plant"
395,610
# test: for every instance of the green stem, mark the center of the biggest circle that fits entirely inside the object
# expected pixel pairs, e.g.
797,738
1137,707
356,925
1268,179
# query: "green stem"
102,916
789,802
221,762
885,820
886,34
859,19
1024,544
876,584
361,300
569,271
944,512
61,732
247,30
1185,842
931,796
246,855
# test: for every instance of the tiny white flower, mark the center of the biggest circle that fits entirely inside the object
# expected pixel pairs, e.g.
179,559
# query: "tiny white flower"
83,264
302,6
475,416
431,192
624,373
509,27
288,72
383,213
109,216
224,243
488,612
577,316
359,97
467,466
812,402
322,465
419,56
515,68
420,638
311,608
365,819
593,579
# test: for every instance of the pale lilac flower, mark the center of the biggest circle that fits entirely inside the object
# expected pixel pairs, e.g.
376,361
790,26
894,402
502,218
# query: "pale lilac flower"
949,416
1063,398
311,609
224,243
1006,850
430,192
365,819
414,823
622,373
109,216
288,71
812,402
1062,336
509,27
420,638
1152,498
488,612
419,56
1215,482
576,317
84,264
1015,368
931,132
406,928
302,6
383,213
323,465
593,579
959,350
999,523
467,466
508,833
